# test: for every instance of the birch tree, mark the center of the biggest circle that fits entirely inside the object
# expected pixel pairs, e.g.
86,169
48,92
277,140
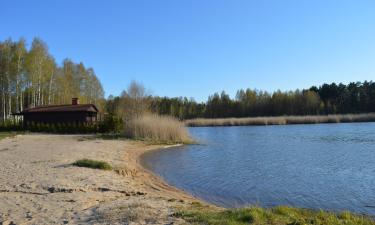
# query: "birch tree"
31,78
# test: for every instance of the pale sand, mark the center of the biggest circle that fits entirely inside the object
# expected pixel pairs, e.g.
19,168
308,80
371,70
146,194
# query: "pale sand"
38,184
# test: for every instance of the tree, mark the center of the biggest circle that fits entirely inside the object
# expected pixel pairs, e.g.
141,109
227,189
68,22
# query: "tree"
327,99
135,101
30,78
18,69
40,67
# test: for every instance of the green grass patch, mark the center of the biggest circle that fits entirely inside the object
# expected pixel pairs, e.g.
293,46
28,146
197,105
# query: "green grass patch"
93,164
278,216
111,136
6,134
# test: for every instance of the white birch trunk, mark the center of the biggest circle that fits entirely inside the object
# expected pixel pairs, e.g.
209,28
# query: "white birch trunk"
50,89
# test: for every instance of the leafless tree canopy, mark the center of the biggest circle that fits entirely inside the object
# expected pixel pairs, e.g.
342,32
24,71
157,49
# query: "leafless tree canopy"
135,101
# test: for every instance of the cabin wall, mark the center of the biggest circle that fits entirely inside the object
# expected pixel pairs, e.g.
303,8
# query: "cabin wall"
60,117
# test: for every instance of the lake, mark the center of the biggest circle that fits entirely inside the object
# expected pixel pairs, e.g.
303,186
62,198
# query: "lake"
322,166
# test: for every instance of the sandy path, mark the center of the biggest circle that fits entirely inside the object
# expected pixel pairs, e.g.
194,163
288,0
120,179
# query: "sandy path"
38,185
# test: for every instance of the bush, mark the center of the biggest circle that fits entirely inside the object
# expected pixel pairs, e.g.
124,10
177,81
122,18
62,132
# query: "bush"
93,164
10,125
111,124
156,128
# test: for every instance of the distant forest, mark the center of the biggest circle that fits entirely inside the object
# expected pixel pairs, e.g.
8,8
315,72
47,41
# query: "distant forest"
31,77
332,98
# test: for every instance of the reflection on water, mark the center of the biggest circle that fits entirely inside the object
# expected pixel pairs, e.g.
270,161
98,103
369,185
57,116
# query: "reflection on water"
327,166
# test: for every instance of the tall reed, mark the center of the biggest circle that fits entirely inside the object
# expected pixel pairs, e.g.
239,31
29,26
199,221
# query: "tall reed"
281,120
158,129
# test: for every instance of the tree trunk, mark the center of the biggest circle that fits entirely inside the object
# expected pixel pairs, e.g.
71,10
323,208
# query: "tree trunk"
50,89
18,88
21,101
3,100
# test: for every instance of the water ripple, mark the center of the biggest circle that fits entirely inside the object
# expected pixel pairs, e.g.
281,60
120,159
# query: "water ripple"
327,166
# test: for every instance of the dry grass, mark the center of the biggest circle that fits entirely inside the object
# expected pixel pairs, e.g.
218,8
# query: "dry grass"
131,212
157,129
281,120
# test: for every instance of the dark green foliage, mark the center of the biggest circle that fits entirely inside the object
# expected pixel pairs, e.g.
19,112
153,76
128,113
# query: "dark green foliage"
62,128
111,124
93,164
280,216
181,108
326,99
9,125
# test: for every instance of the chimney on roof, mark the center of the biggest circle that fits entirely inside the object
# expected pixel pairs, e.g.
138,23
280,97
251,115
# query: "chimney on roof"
75,101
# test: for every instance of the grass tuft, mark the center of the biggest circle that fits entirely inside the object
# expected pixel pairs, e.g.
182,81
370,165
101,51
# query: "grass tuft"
93,164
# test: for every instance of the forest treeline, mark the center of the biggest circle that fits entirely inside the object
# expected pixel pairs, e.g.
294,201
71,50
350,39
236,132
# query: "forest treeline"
355,97
30,77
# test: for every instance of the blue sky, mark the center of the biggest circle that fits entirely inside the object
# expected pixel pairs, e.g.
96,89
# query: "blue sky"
197,47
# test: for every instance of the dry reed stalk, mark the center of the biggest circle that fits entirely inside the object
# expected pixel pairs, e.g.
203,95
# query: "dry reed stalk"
281,120
156,128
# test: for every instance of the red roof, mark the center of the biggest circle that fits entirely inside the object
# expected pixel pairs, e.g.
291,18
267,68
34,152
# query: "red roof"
62,108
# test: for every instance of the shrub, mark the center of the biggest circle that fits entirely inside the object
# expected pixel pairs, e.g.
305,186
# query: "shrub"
93,164
110,124
158,129
11,125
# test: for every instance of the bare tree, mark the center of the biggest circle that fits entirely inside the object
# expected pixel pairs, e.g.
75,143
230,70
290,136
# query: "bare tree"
135,101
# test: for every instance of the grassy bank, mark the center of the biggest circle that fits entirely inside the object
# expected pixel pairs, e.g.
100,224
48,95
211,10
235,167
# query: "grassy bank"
278,216
281,120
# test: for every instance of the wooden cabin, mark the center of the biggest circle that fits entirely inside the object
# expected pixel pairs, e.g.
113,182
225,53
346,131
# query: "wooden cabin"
73,113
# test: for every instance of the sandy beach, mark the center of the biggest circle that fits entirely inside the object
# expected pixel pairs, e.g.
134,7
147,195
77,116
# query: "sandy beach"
39,185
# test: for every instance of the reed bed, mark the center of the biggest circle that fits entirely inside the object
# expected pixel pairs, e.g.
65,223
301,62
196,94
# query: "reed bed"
281,120
157,129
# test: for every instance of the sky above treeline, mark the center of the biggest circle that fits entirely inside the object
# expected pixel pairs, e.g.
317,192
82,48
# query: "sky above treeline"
194,48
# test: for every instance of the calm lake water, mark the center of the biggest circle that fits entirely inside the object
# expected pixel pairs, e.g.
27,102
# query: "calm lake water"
325,166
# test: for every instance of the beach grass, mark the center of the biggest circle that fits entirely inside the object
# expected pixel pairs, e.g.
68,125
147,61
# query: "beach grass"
281,215
281,120
93,164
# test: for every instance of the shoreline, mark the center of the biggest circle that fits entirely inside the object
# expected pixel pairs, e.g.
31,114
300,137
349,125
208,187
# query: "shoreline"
281,120
39,185
208,213
154,181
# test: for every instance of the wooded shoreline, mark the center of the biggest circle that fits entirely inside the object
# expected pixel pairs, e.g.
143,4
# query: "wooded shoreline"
281,120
